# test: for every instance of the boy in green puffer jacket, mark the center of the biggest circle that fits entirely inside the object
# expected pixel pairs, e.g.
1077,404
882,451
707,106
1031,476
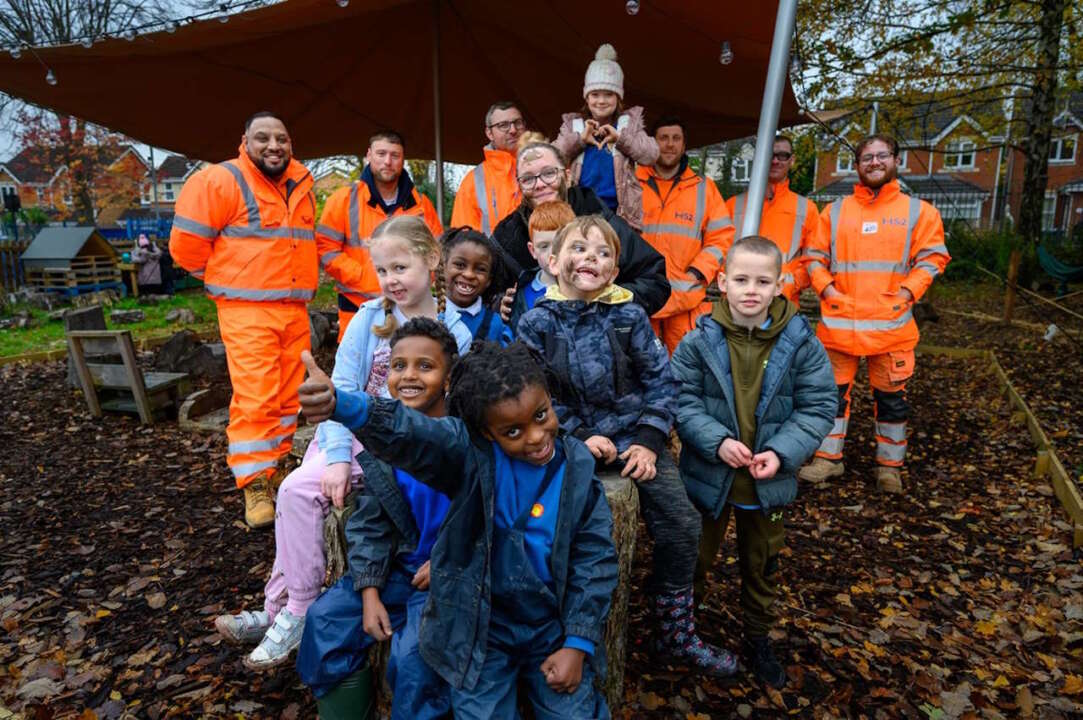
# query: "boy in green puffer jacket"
757,397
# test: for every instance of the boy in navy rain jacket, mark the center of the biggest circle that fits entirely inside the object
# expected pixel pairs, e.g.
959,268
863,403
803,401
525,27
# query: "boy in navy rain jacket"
616,393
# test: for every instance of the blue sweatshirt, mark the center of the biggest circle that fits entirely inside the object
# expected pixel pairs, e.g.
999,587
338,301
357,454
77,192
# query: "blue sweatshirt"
428,508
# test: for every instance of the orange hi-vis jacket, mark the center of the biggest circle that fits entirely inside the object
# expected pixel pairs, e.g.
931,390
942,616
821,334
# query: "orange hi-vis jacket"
495,181
245,236
788,220
870,246
686,221
349,217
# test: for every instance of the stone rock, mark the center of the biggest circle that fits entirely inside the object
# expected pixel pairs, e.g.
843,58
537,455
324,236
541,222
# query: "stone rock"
42,300
206,361
180,315
58,314
319,327
152,299
124,317
175,348
98,297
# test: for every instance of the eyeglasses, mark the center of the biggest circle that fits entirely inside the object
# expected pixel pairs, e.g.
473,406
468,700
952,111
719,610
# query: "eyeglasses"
782,156
880,156
547,176
505,125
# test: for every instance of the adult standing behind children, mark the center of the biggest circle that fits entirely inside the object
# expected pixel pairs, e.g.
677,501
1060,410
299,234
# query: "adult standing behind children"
604,142
788,220
876,253
245,227
685,219
757,397
616,393
353,212
543,177
488,193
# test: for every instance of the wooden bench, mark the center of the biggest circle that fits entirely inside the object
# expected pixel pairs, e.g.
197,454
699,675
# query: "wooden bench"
126,387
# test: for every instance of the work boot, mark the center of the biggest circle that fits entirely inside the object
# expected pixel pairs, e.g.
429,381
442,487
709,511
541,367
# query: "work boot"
760,659
259,504
889,479
279,476
820,469
677,640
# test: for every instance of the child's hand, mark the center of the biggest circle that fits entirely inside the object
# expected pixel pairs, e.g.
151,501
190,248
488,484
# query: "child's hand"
374,618
334,482
563,670
590,128
317,393
506,303
602,447
609,135
639,463
734,453
764,465
421,577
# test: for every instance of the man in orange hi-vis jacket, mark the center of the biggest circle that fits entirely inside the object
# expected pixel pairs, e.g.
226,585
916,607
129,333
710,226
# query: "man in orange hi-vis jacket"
490,192
875,254
246,228
686,221
353,212
788,220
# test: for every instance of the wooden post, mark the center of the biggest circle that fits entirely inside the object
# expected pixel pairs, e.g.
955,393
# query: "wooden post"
78,361
135,377
1014,262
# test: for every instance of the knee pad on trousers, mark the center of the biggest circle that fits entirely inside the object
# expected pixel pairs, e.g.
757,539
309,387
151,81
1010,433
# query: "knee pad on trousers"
891,406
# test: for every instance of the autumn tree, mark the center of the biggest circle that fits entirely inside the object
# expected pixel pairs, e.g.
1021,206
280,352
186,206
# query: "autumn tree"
913,54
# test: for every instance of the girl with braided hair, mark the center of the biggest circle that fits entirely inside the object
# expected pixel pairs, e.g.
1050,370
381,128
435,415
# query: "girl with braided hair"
524,567
471,260
404,254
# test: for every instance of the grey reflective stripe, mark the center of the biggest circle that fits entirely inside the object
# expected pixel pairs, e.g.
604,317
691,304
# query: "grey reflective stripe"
836,210
250,231
719,224
350,291
251,446
685,285
330,232
196,228
911,221
798,224
287,420
262,295
864,266
929,268
866,325
353,221
740,203
832,445
891,453
671,228
787,278
714,252
198,273
840,426
326,258
483,200
896,432
931,250
240,471
701,208
246,193
818,253
816,265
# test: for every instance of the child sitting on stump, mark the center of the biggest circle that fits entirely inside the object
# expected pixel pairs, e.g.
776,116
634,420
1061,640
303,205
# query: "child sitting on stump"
757,398
524,567
616,393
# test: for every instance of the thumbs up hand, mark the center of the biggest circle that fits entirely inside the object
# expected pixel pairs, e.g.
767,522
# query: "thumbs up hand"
317,393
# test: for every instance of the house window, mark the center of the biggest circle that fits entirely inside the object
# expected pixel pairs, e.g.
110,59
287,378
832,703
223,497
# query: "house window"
844,162
1062,149
959,209
741,167
146,196
960,155
6,190
40,192
1049,211
902,160
168,191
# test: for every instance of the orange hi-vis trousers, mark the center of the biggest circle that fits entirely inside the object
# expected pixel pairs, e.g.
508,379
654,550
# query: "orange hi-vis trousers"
888,373
672,328
263,343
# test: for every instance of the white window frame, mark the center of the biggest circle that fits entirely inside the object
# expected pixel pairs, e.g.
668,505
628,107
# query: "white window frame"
956,150
168,192
146,194
840,167
1049,211
967,210
1056,148
7,189
902,160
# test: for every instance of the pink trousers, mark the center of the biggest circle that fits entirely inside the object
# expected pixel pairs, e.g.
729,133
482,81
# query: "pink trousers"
299,566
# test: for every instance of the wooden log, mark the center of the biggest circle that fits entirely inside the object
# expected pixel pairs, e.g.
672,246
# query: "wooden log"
623,500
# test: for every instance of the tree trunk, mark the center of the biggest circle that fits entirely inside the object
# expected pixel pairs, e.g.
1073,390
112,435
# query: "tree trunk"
1036,141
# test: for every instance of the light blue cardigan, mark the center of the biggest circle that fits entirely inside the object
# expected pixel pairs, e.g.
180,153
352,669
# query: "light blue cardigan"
353,363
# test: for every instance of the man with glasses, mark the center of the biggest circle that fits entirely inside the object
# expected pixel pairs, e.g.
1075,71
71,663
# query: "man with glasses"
543,177
875,253
686,220
489,191
789,220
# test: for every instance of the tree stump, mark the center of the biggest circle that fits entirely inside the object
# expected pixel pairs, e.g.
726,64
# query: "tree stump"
623,500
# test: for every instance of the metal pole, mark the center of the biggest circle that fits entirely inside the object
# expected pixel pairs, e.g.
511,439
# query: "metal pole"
436,110
772,103
154,191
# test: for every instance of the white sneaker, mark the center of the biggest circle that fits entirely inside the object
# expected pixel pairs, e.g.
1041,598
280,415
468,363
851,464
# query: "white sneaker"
281,639
248,627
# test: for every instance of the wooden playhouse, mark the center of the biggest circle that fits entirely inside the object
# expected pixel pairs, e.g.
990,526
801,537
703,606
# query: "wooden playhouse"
71,260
